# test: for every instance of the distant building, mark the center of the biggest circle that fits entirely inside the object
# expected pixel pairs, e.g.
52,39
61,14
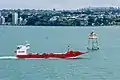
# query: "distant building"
54,18
20,21
2,20
15,18
23,22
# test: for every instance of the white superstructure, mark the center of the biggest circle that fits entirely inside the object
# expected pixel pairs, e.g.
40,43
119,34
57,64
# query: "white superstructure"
22,49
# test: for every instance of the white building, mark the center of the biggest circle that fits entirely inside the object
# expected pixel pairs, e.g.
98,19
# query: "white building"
23,22
2,20
20,21
15,18
54,18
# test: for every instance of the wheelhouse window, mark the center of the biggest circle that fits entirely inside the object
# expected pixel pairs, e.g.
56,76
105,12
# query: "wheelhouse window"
21,51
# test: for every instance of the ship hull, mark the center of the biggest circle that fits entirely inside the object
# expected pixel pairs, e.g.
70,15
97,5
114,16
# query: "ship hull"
52,55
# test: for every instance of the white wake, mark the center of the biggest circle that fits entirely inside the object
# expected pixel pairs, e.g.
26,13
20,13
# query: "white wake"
7,57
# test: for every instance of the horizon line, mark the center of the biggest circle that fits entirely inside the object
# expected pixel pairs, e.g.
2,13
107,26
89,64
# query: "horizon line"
60,9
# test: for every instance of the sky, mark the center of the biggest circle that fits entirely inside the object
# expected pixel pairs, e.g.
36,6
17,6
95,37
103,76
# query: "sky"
57,4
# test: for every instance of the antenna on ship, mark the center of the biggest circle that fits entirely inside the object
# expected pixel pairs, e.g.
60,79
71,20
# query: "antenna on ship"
26,41
27,44
93,41
68,47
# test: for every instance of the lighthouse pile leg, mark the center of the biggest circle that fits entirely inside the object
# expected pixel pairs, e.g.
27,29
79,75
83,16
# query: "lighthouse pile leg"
93,44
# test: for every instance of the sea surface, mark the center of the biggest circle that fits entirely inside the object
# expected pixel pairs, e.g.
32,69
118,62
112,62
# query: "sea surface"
103,64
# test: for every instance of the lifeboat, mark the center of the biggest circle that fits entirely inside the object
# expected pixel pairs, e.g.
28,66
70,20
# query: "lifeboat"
21,52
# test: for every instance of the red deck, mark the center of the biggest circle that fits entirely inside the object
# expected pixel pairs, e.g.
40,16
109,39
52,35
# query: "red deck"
52,55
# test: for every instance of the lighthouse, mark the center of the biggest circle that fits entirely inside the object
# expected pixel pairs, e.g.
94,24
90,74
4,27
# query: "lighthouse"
93,41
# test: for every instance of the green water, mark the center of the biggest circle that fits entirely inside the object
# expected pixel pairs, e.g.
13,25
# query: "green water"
98,65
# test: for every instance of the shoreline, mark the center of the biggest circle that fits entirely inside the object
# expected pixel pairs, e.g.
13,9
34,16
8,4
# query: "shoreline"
16,26
61,26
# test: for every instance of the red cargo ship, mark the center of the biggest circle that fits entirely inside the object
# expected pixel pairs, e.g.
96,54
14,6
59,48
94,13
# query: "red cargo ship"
21,52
